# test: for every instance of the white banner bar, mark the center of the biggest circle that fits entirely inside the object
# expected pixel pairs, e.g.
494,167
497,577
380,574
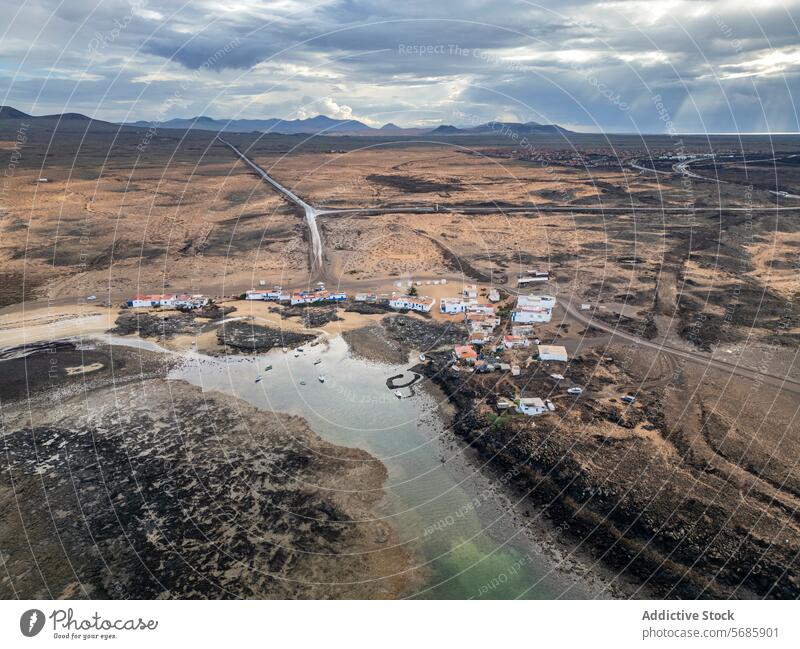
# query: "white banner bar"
400,625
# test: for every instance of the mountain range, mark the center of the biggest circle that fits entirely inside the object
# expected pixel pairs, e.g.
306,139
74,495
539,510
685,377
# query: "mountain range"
319,125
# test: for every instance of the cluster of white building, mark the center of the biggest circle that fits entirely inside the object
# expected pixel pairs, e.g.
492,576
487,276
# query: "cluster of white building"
317,295
168,300
465,301
277,294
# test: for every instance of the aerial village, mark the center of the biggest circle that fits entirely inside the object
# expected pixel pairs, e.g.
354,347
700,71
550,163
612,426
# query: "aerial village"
500,327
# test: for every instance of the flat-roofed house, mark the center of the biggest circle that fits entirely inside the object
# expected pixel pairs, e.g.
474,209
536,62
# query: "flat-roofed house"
423,304
465,354
552,353
533,308
512,341
452,305
531,406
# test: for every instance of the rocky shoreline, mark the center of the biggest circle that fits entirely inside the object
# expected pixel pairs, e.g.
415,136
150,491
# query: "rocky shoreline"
182,493
631,522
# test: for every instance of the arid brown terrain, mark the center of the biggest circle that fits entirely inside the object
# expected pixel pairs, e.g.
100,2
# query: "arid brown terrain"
692,490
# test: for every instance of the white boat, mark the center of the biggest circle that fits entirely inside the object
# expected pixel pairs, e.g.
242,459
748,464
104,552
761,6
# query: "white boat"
398,394
318,361
302,382
422,357
296,354
321,378
258,378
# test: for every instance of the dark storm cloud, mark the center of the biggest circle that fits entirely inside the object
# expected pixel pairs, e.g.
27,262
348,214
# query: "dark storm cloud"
717,66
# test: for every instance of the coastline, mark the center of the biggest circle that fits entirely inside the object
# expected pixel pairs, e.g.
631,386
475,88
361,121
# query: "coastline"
515,517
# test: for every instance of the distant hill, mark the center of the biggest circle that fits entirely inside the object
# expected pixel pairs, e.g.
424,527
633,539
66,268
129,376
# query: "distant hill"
446,129
311,125
499,128
7,112
319,125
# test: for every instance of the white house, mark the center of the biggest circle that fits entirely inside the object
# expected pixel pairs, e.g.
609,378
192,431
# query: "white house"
531,406
275,294
423,304
365,297
482,309
169,300
470,291
494,295
533,277
515,341
451,305
533,308
189,301
144,301
317,295
552,353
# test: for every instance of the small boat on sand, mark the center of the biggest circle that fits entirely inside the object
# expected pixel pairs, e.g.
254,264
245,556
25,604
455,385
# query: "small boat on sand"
258,378
422,357
268,368
321,378
318,361
302,382
398,394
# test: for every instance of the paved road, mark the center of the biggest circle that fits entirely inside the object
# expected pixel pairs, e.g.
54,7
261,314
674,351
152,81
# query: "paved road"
310,212
781,382
567,209
682,169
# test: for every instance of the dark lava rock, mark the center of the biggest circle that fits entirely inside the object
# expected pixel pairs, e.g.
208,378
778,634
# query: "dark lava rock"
246,336
369,308
151,324
414,333
311,316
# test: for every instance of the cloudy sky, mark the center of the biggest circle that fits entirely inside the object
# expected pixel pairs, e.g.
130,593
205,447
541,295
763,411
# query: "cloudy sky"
729,66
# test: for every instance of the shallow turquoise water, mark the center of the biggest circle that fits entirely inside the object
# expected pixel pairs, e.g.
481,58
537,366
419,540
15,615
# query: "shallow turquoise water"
461,548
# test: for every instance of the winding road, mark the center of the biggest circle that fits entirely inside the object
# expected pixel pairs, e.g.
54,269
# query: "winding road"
311,213
317,267
781,382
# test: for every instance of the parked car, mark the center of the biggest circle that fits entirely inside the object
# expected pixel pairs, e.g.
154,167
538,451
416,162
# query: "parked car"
628,398
91,298
575,390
